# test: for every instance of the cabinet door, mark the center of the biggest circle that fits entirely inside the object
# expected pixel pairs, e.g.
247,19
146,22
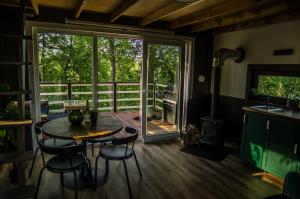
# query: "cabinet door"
280,147
254,139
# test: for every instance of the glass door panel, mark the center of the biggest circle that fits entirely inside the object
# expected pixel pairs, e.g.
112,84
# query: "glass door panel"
163,89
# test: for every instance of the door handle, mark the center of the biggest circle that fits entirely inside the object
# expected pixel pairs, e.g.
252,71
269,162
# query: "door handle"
244,119
268,125
295,149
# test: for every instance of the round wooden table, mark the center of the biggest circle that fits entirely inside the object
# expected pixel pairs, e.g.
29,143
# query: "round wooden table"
61,128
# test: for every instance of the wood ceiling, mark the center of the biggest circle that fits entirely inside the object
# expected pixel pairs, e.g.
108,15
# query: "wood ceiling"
198,15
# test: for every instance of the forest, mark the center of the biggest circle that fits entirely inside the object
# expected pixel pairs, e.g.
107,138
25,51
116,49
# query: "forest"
67,59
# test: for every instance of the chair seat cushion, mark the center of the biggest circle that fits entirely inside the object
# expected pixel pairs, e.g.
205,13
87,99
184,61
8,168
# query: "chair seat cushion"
57,142
101,140
115,152
63,163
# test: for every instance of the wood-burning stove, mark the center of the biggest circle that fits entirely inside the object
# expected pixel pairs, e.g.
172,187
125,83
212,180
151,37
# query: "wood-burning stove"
211,127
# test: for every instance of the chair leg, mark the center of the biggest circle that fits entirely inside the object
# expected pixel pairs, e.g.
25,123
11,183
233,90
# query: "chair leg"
33,161
62,178
92,149
75,184
137,164
96,169
106,167
127,179
39,182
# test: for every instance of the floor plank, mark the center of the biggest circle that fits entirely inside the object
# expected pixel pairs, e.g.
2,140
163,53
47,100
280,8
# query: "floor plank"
168,173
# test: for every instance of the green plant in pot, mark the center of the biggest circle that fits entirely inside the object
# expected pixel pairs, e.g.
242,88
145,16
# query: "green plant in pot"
75,117
93,116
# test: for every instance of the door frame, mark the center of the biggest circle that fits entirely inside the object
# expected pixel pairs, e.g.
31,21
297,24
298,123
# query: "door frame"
110,30
184,88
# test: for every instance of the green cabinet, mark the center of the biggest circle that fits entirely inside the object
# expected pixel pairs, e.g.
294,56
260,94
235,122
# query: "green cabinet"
271,143
280,147
254,135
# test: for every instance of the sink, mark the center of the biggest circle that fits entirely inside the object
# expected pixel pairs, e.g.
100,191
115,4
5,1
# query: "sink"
267,108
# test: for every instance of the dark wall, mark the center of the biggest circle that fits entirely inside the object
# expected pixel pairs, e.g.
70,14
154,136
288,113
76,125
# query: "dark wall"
199,104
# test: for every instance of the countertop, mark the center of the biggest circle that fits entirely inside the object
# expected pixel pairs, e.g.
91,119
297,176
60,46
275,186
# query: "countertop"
289,114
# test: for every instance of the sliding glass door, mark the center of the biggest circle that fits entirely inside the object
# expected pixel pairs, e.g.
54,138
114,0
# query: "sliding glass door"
162,99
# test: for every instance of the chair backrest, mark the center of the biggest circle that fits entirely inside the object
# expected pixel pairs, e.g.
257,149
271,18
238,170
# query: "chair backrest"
291,187
38,126
128,139
63,150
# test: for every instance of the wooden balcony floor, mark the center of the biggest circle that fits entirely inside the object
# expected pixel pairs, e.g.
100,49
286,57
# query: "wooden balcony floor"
154,126
167,173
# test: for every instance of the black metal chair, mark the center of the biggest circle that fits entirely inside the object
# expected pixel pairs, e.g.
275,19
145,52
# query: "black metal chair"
291,187
120,150
102,141
48,142
67,159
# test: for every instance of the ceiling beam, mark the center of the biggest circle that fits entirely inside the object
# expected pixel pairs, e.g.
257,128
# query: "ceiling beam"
282,18
271,10
35,7
79,8
121,9
223,9
165,11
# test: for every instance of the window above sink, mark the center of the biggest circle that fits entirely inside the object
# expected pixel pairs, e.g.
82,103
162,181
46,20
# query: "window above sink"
276,84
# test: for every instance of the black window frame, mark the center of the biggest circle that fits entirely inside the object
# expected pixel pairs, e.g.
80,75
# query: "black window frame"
255,70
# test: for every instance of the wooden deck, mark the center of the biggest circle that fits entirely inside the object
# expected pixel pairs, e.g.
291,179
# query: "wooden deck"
167,173
154,126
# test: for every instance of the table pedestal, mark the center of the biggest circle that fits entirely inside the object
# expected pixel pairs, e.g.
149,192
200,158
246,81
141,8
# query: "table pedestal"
84,181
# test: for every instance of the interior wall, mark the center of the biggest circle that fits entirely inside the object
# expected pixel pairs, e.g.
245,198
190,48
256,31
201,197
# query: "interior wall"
259,44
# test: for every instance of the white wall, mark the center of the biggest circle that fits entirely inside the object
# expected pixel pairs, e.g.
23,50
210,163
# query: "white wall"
259,44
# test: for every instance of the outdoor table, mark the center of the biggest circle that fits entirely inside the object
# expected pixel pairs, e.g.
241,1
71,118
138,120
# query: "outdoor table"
61,128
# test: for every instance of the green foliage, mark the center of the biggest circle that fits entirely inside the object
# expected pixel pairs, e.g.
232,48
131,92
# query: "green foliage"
279,86
67,58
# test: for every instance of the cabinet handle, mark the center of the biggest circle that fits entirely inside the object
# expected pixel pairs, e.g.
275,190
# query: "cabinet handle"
295,149
268,125
244,119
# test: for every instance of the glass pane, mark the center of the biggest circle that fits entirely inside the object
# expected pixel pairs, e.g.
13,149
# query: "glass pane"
65,68
279,86
163,84
119,68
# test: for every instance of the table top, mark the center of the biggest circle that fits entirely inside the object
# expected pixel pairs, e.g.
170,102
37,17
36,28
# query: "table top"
63,129
74,105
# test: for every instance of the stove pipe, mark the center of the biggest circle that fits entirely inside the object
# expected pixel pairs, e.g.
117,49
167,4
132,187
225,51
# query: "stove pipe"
220,56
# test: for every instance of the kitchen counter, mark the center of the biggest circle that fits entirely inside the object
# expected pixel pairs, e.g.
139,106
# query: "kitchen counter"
289,114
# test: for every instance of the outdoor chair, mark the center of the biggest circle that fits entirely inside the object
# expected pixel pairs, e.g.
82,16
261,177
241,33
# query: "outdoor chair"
48,142
120,150
66,159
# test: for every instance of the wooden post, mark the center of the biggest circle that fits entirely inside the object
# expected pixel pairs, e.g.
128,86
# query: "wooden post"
69,91
154,96
115,96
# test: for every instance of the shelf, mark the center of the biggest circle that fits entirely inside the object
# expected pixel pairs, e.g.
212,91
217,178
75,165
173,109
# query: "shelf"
15,92
14,123
14,63
15,157
15,36
18,192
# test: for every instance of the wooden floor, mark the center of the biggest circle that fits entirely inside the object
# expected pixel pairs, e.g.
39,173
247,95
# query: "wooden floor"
167,173
154,126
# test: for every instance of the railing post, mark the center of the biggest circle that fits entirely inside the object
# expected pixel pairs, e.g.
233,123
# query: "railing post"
115,97
154,96
69,91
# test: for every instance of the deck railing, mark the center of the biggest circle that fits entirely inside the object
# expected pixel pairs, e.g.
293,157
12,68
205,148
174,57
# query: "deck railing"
112,96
